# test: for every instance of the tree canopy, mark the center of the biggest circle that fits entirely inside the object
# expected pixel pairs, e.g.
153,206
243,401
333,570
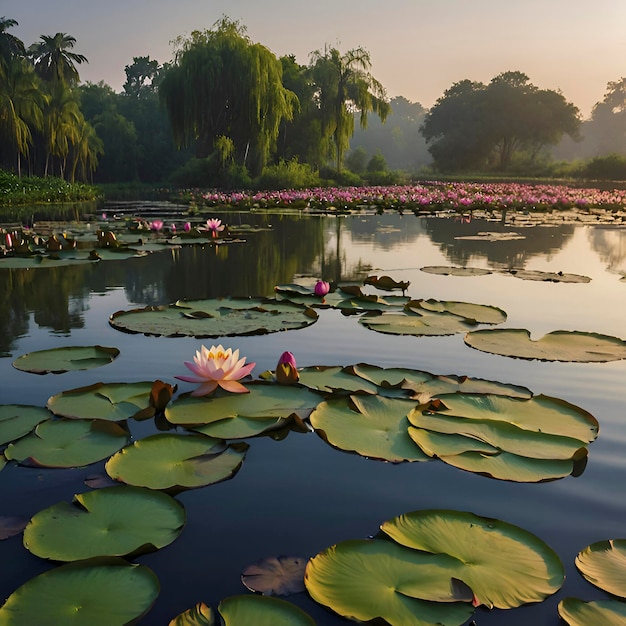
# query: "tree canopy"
221,84
475,125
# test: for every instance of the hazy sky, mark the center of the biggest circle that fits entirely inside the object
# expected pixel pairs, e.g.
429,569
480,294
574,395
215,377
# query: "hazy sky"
418,48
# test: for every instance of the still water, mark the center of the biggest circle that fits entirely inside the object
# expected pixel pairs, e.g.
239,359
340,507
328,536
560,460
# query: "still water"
298,496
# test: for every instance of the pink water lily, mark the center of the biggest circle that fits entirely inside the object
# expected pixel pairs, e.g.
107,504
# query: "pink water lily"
321,288
286,370
187,226
156,225
217,367
214,225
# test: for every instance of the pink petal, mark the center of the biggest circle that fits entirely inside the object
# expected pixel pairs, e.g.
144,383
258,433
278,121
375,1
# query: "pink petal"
233,386
205,389
190,379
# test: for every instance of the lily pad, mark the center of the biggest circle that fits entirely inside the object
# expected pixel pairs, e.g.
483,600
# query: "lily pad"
113,402
198,615
492,236
68,443
366,579
386,283
478,313
444,270
172,461
264,400
603,564
553,277
11,525
372,426
504,565
422,324
107,591
240,427
221,317
114,521
276,575
559,345
245,610
333,378
66,359
575,612
17,420
539,414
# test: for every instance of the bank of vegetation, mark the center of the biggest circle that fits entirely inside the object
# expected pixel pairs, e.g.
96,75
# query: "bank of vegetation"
226,113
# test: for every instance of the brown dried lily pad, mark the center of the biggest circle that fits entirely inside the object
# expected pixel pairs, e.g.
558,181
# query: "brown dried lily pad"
553,277
276,575
444,270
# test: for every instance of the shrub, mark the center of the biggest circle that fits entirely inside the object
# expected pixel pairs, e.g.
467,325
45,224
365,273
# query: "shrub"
287,175
610,167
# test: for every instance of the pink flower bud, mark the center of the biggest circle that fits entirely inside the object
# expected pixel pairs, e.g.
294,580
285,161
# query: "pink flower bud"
10,243
187,227
286,370
321,288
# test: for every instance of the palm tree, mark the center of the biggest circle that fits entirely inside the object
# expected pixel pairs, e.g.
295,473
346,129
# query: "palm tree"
84,151
10,45
344,87
21,104
53,60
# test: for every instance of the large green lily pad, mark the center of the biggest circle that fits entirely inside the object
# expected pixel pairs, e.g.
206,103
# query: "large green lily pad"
114,521
221,317
239,427
575,612
198,615
603,564
367,579
540,414
372,426
559,345
504,565
98,592
113,402
422,324
333,378
245,610
68,443
17,420
477,313
66,359
172,461
264,400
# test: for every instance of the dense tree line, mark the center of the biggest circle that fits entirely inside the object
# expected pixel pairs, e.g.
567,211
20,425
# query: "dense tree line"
226,111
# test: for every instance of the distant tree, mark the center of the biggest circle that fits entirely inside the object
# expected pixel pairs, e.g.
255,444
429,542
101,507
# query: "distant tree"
84,152
10,45
21,110
119,139
223,84
356,161
344,86
140,76
377,163
399,139
475,125
53,60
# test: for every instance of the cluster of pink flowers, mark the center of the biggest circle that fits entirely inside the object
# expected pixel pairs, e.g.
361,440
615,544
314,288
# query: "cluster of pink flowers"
428,195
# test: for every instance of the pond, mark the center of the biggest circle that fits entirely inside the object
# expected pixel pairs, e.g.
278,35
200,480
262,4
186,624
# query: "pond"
297,495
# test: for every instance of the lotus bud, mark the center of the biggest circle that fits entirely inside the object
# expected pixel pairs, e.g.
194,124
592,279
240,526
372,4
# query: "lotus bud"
321,288
286,370
187,227
9,241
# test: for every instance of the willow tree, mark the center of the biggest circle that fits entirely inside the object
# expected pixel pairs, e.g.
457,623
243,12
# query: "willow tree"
221,84
345,87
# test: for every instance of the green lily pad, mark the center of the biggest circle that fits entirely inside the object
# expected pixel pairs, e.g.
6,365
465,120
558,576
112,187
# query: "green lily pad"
172,461
443,270
559,345
264,400
539,414
504,565
420,324
372,426
366,579
240,427
603,564
245,610
98,592
276,575
113,402
372,303
17,420
221,317
114,521
333,378
59,360
553,277
575,612
68,443
478,313
198,615
40,261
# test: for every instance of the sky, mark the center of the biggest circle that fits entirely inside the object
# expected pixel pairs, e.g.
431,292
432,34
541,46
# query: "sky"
418,48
